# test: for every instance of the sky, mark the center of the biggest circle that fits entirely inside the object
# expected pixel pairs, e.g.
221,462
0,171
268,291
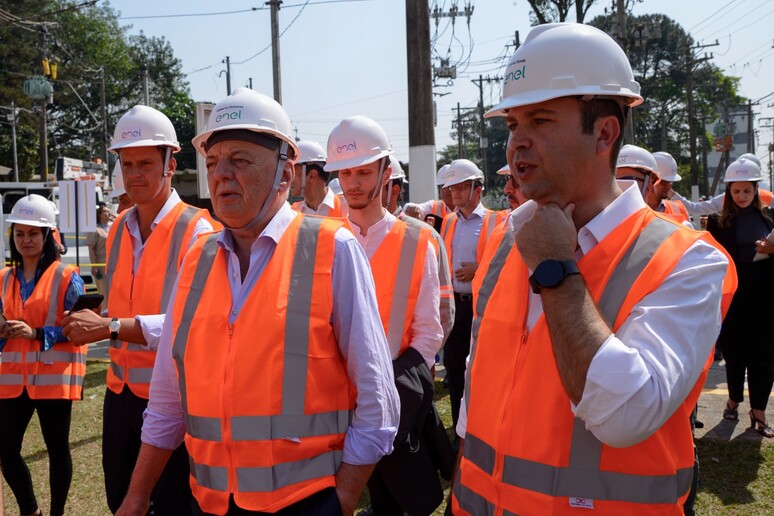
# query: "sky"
346,57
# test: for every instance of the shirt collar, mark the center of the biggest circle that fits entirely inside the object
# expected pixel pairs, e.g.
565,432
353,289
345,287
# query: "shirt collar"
608,219
273,230
479,212
388,220
171,202
329,199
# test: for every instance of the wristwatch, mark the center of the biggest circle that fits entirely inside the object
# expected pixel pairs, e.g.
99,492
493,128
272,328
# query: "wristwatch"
551,273
114,327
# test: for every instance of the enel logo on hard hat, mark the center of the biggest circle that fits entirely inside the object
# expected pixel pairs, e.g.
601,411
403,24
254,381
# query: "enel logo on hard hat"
515,75
234,115
134,133
26,211
346,148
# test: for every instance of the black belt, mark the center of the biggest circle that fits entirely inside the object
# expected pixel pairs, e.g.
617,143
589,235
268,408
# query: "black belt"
465,298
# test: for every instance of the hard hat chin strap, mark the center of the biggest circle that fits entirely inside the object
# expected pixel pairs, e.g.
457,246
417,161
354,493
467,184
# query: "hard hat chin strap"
379,179
303,180
645,184
167,156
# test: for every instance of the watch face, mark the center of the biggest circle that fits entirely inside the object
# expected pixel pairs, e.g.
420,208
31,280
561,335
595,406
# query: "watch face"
549,273
114,326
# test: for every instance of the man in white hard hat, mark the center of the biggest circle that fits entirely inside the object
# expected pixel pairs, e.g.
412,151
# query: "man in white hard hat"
667,174
405,270
118,192
272,364
465,233
511,188
145,248
311,183
393,190
594,317
434,210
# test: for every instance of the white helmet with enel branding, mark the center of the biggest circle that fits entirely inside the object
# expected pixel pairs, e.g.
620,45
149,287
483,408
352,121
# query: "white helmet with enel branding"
33,210
742,170
144,126
667,166
564,60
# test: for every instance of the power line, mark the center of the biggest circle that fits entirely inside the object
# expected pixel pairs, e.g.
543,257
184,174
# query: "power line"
711,16
221,13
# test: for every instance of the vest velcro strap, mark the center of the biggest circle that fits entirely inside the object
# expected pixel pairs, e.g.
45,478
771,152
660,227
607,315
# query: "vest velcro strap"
263,480
479,453
56,356
117,370
140,374
47,380
597,485
264,428
470,501
11,379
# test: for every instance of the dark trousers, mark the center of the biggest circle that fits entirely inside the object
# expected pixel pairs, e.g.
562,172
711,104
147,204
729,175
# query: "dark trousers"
54,417
322,503
456,350
121,430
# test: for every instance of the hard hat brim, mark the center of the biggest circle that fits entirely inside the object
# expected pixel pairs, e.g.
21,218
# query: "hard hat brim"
200,139
625,95
358,161
143,143
27,222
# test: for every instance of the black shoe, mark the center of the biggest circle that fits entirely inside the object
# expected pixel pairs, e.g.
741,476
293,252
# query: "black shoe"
698,424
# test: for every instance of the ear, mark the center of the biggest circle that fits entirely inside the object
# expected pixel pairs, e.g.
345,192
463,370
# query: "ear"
288,173
607,131
171,167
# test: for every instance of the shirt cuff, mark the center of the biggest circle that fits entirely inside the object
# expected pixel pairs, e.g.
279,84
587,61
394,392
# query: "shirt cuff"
363,447
151,328
162,431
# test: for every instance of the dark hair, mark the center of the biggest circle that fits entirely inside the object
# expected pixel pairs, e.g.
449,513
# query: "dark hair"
49,255
594,109
730,210
322,174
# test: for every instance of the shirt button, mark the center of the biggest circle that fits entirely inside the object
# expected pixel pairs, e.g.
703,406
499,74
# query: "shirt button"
234,275
234,311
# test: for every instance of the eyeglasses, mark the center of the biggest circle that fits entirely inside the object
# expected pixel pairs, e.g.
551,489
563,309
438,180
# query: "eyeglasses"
631,178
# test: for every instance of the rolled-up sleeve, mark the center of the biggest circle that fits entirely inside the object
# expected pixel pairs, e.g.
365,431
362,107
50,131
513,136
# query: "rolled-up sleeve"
362,343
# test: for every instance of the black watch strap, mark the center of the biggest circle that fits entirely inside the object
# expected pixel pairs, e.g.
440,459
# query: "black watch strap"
551,274
114,334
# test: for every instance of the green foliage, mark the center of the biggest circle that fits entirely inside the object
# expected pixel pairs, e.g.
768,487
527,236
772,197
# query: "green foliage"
89,46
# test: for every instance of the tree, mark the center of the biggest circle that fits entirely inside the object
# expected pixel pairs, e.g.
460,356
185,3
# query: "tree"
548,11
658,49
89,46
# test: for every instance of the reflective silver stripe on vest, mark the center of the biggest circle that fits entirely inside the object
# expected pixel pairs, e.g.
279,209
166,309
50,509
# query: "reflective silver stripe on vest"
469,500
175,245
11,357
583,476
203,268
484,293
491,223
480,453
445,229
140,374
53,303
297,318
56,356
211,477
402,288
48,380
266,428
130,346
115,249
7,280
271,478
117,370
11,379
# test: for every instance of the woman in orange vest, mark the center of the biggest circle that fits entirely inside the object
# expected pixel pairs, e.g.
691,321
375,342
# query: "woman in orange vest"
39,369
745,339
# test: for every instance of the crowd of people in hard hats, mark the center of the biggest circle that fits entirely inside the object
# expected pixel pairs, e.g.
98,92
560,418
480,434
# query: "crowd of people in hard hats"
278,358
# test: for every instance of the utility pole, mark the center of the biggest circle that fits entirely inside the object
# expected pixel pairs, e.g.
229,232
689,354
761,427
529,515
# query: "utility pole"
13,142
460,147
228,74
420,101
483,141
103,105
145,92
689,64
771,147
750,132
620,11
275,49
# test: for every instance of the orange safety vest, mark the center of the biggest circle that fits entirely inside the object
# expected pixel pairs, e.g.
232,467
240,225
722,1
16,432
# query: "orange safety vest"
267,397
765,196
336,211
53,374
491,220
439,209
676,210
146,292
397,266
548,463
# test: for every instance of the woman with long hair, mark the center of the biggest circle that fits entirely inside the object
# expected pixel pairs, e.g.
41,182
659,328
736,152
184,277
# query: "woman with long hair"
745,338
39,369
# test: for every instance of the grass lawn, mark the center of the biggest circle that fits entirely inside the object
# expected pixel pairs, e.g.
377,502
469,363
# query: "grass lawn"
736,477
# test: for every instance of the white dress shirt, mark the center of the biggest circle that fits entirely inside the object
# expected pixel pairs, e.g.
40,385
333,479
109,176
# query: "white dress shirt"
151,324
465,244
426,329
326,205
357,327
643,372
698,208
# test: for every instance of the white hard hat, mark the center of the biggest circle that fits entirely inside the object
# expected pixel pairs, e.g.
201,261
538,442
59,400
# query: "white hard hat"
440,176
667,167
54,206
505,170
742,170
310,152
637,157
751,157
461,170
335,186
143,126
118,182
356,141
33,210
248,110
396,171
567,59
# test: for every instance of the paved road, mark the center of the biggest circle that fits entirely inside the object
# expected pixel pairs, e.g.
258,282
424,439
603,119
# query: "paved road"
711,403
